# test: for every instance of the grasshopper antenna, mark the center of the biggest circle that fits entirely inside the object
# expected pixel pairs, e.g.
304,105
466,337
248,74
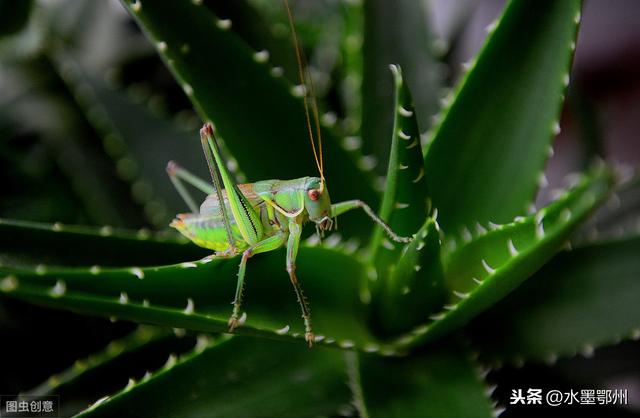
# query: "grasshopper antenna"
308,96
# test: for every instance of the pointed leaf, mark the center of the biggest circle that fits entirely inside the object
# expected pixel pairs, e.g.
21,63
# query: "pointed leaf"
404,206
489,151
232,378
416,286
582,299
41,245
197,295
440,382
488,267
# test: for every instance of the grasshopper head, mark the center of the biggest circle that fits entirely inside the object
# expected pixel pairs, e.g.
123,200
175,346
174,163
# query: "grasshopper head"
317,203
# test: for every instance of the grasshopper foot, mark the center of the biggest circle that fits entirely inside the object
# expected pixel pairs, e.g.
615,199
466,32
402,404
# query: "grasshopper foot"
233,324
309,338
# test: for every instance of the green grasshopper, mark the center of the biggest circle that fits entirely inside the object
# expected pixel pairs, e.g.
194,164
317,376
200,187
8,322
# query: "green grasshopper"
254,218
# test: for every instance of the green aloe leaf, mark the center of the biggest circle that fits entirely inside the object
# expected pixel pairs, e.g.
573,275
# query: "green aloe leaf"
76,375
404,205
108,370
236,379
483,269
40,245
194,295
415,287
505,108
583,299
253,107
440,382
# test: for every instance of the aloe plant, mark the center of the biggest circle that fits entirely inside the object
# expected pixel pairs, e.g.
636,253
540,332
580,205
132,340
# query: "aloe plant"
400,330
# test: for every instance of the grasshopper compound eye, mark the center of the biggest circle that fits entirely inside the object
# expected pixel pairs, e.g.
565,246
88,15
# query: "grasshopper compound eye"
314,194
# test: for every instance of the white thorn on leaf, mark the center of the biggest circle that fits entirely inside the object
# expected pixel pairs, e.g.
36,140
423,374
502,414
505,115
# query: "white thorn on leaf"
9,284
352,143
437,317
371,348
188,90
400,205
283,330
189,265
190,307
466,234
137,271
367,162
413,144
171,361
223,24
476,280
461,295
106,230
405,112
277,71
481,230
59,289
542,181
420,175
243,318
346,344
261,56
487,267
105,398
403,135
94,270
513,251
491,26
587,351
555,128
124,298
162,46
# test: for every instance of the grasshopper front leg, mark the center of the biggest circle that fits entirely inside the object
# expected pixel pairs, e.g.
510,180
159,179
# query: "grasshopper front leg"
292,251
342,207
